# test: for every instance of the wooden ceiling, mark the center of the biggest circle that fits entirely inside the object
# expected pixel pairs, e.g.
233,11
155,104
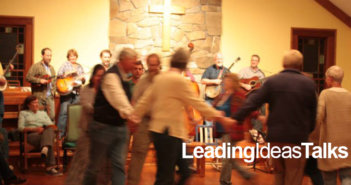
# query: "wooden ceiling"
339,8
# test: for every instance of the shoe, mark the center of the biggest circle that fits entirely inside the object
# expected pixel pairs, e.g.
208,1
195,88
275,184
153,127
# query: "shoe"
44,152
53,172
11,167
17,180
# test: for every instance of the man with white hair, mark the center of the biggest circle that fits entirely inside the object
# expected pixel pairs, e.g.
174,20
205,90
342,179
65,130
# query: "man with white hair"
292,112
108,131
214,74
334,125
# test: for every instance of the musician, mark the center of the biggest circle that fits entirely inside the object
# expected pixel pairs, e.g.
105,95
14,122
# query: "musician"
108,130
141,139
251,71
137,72
69,68
333,126
214,74
42,77
292,103
2,83
41,134
167,97
105,57
4,147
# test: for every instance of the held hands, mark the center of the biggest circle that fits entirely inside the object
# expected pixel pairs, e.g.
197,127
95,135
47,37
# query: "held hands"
132,122
246,86
132,126
217,81
134,118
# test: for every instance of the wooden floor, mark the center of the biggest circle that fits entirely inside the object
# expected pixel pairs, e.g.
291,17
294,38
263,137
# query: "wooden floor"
38,177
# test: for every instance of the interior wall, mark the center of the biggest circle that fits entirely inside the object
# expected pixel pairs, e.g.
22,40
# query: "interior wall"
249,27
65,24
263,27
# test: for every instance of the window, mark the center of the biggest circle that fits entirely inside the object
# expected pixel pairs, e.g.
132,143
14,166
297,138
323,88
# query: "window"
14,31
318,48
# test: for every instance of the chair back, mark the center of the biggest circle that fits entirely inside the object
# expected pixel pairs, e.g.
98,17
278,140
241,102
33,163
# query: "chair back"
204,134
74,112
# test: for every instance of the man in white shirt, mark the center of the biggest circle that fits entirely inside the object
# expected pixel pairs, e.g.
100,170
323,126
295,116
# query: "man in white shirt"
108,131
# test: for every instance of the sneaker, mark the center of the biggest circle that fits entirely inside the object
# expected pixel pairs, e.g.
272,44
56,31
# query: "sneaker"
53,172
17,180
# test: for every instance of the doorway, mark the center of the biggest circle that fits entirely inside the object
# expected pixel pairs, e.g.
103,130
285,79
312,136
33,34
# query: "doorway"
318,48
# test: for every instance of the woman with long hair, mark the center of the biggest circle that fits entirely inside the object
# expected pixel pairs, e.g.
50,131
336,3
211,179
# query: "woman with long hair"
81,156
229,101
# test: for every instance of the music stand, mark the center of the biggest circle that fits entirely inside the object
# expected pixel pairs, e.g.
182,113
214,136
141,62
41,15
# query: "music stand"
259,133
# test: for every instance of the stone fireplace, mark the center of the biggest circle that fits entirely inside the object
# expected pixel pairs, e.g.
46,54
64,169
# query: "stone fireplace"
139,24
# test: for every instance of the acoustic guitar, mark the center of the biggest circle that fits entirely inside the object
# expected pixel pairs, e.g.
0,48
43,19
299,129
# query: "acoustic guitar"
254,82
65,85
212,91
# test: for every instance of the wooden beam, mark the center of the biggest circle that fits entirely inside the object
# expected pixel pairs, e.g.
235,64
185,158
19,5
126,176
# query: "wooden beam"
336,11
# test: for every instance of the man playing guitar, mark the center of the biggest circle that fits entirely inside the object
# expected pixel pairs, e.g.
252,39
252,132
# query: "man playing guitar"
248,73
251,71
41,75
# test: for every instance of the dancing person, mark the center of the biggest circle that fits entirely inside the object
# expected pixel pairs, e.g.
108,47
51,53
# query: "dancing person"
166,99
81,155
292,113
142,137
108,130
333,126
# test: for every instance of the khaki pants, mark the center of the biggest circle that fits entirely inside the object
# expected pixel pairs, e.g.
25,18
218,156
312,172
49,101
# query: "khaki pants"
289,171
140,147
44,139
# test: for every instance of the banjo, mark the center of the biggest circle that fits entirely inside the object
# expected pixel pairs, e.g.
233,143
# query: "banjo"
2,76
212,91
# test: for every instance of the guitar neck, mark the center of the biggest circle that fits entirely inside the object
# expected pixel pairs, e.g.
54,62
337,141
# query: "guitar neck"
7,69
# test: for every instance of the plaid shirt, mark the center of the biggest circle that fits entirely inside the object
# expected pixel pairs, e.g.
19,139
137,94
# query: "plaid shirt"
68,67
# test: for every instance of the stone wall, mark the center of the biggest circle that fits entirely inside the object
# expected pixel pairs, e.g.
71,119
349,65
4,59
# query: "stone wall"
132,24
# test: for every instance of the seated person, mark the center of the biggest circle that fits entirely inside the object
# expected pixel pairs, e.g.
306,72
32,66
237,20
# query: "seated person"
41,130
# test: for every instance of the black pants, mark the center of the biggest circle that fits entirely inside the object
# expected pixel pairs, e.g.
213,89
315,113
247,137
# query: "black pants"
169,154
5,172
313,172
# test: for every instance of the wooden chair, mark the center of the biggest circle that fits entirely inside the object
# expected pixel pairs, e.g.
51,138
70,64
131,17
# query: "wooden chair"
26,149
72,132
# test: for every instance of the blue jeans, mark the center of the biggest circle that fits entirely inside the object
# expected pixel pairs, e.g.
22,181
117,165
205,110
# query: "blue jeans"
106,141
329,177
62,119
